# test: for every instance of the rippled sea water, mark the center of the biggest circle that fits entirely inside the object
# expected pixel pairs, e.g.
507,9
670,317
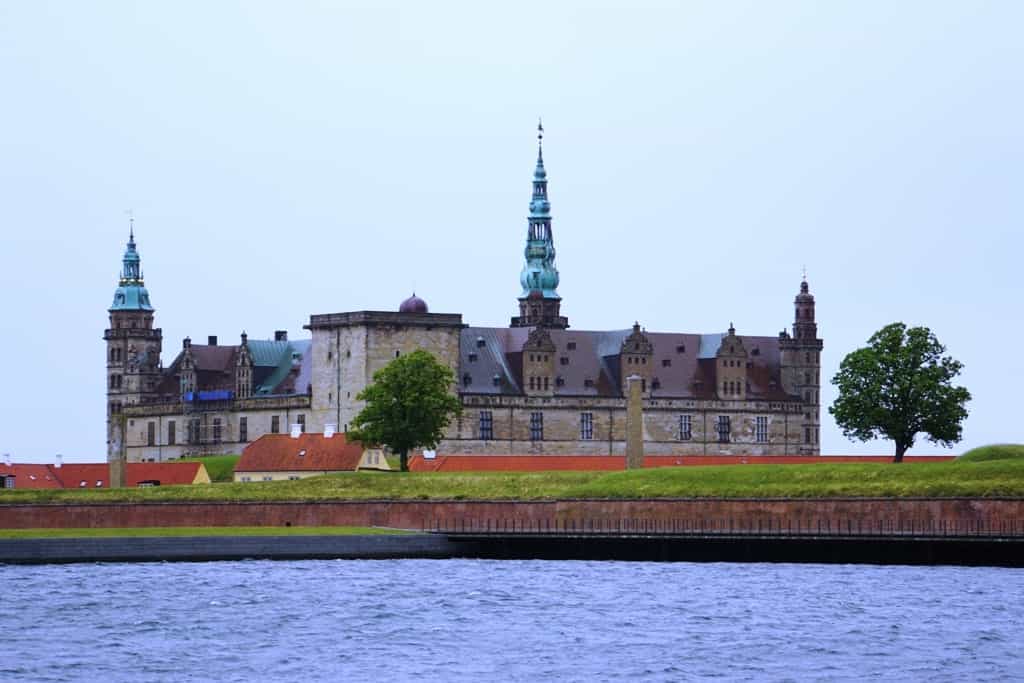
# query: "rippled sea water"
473,620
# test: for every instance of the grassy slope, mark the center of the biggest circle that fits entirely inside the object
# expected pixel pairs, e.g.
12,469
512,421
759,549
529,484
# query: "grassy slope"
954,478
219,467
199,531
1002,451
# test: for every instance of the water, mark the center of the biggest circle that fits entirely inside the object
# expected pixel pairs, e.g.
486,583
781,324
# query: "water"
472,620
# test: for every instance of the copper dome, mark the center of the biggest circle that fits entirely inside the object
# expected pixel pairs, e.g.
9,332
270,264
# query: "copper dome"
413,304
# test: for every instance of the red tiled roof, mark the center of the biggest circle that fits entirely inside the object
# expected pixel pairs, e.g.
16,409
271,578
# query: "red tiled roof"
282,453
71,475
167,473
545,463
31,476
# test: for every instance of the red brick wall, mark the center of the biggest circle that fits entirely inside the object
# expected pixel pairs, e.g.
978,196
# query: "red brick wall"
417,514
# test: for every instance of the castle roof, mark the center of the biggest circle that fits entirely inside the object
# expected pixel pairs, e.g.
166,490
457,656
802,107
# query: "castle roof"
587,363
279,367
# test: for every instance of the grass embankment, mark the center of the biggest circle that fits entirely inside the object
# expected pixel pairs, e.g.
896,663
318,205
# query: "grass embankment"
221,468
155,531
999,451
1003,477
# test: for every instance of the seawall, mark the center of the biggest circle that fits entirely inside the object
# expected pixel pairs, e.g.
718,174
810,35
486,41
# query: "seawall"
733,513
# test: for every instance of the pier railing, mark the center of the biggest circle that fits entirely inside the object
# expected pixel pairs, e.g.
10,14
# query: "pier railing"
731,527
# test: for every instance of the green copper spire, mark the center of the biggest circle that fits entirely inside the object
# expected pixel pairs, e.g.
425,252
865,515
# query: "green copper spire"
539,303
131,294
539,274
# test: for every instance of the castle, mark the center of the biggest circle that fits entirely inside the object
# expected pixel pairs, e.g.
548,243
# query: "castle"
536,386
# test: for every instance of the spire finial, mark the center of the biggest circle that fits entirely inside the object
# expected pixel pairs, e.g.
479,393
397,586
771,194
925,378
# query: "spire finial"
131,225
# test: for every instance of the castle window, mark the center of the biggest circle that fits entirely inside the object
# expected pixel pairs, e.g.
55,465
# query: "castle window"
486,425
537,426
472,357
532,383
588,383
643,385
571,346
644,360
330,356
546,383
681,348
301,420
397,353
348,353
151,433
243,429
275,424
807,357
216,430
755,352
192,435
807,434
761,429
807,378
586,426
172,433
685,427
723,426
666,362
564,360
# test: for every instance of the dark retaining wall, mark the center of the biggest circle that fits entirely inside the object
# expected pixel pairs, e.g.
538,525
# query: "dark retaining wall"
203,548
427,514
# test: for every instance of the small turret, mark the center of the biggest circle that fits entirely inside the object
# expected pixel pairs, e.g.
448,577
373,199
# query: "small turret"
801,368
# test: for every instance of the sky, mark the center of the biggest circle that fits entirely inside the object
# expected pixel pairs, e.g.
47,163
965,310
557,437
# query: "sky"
285,159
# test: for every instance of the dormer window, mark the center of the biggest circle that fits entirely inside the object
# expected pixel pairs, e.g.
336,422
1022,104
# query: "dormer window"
588,383
480,342
656,383
666,362
467,379
472,358
571,346
564,360
497,380
559,381
681,348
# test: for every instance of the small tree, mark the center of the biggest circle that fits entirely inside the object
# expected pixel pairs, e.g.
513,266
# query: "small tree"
898,386
408,405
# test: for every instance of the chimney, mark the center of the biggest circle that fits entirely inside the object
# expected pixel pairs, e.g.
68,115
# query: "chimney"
60,461
212,340
296,430
329,430
280,335
7,459
186,343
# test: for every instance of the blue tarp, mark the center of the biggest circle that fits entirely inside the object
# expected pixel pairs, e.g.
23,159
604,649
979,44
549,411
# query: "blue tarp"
217,395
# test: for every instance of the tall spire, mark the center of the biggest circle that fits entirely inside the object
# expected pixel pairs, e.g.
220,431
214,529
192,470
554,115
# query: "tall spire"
539,301
131,292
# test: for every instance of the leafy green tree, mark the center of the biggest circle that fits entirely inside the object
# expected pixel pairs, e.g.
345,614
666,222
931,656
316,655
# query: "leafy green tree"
408,405
898,386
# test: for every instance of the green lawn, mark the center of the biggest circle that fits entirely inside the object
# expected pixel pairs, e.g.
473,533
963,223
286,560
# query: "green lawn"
221,468
1002,477
199,531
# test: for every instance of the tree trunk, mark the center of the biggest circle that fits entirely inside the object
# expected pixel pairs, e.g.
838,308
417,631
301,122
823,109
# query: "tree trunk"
900,450
403,460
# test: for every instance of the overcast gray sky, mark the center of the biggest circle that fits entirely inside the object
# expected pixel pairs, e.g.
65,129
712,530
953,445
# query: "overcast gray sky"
284,159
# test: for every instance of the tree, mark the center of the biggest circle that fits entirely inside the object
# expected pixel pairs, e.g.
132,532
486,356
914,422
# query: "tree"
408,405
898,386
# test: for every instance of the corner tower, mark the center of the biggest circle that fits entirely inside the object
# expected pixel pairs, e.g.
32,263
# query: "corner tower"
133,345
801,368
539,302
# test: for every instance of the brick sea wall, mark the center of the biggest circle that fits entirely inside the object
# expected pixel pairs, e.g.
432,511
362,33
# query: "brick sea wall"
424,514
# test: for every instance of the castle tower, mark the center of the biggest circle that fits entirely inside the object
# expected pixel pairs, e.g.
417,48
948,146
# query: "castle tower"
801,368
133,346
539,302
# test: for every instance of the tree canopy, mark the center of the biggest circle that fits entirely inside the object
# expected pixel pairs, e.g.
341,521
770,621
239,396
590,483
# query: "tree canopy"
408,405
898,386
